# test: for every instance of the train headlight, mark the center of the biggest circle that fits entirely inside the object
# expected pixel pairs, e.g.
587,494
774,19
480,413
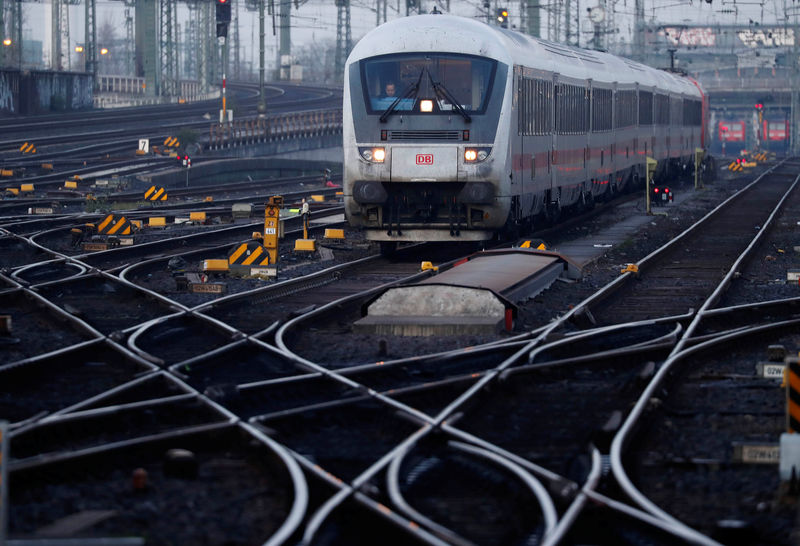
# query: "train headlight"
426,105
373,155
476,155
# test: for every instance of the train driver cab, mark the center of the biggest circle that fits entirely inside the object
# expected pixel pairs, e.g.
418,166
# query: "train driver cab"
422,83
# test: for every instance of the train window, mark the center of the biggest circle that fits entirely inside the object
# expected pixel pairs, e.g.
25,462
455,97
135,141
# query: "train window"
571,108
535,115
625,108
692,113
411,77
601,109
676,111
645,108
662,110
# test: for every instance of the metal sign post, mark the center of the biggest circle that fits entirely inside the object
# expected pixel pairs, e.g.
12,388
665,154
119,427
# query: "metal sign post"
651,169
698,157
272,232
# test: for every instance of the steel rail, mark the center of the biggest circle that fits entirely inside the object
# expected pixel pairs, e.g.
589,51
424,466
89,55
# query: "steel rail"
393,489
642,264
622,436
317,519
21,270
575,508
301,494
613,328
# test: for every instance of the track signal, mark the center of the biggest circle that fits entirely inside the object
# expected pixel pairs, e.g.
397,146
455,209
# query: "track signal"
502,17
223,12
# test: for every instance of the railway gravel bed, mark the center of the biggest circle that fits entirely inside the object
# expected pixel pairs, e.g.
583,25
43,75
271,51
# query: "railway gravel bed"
533,313
684,457
231,492
550,412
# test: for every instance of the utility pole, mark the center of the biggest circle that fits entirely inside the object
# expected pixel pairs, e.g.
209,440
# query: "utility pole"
285,49
638,31
236,59
130,39
795,106
16,34
169,58
530,10
90,39
262,103
59,39
261,108
343,37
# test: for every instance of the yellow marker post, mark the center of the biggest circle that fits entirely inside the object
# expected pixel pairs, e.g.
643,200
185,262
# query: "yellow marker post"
793,395
272,213
699,153
651,171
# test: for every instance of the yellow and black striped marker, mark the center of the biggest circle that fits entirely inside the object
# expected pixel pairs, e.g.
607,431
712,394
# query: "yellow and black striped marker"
171,142
735,166
155,194
792,371
111,225
250,254
28,148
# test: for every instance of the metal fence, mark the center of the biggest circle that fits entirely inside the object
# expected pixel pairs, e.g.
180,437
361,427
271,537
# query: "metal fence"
275,127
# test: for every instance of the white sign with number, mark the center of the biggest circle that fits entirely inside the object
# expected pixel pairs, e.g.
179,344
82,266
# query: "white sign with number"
144,145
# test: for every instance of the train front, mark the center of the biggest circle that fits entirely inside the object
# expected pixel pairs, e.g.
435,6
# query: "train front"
423,108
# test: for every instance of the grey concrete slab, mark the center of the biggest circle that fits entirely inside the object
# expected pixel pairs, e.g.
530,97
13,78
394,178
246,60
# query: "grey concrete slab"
591,247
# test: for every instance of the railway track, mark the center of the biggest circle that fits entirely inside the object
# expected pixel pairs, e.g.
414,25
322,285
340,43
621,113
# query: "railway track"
527,437
681,277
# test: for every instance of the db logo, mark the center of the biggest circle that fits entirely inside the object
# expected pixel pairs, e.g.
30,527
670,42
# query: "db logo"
424,159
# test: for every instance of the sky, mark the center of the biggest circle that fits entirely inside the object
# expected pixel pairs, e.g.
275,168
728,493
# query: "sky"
315,20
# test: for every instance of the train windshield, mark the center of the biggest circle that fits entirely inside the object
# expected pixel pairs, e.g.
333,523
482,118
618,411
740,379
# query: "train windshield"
412,77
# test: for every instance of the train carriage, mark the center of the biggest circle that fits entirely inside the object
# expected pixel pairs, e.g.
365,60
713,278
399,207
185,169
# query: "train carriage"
732,135
455,130
775,135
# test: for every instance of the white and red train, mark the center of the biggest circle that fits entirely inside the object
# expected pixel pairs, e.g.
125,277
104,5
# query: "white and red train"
456,130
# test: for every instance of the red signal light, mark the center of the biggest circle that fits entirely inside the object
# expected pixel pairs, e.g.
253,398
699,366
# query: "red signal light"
655,190
759,106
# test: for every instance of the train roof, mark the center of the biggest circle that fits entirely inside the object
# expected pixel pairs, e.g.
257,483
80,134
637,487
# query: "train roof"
455,34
